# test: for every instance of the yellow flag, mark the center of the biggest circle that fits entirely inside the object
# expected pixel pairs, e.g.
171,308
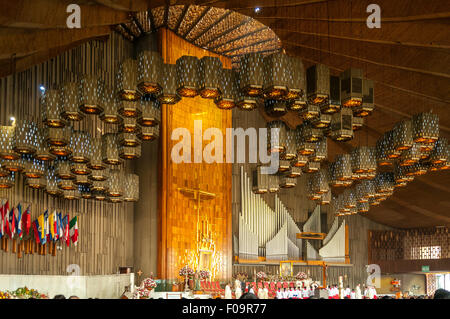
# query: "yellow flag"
41,225
51,221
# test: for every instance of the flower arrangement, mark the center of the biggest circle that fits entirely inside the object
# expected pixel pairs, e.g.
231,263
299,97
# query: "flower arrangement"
261,275
141,293
148,284
186,271
301,276
22,293
5,295
204,274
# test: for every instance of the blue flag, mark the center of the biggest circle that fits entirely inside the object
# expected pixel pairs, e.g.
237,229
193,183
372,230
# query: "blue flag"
18,221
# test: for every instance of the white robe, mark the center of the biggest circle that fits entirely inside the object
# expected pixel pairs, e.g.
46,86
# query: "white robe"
347,292
238,292
285,294
358,293
237,283
228,292
311,292
371,292
252,291
266,293
292,294
260,293
305,293
352,295
279,295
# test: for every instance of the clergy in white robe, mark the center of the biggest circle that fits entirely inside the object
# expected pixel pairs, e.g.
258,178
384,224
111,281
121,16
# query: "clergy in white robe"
347,292
358,292
228,294
266,293
372,292
238,292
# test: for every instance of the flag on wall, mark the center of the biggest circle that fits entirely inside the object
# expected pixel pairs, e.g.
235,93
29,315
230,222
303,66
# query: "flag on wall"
18,221
59,226
26,221
65,223
74,230
41,229
52,225
37,234
12,223
46,226
2,221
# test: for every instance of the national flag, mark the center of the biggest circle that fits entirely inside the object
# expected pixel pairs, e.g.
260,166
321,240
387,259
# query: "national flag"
46,226
74,230
59,226
41,229
26,221
12,223
37,234
52,225
2,223
18,221
66,230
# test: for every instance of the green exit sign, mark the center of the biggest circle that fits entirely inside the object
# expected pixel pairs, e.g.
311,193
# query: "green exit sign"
425,268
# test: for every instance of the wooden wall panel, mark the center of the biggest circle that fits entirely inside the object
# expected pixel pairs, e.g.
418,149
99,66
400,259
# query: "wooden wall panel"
178,213
105,229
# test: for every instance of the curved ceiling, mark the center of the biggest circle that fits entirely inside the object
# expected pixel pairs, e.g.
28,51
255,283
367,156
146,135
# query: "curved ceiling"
408,58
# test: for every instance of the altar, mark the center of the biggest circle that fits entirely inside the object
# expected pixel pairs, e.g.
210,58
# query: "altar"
178,295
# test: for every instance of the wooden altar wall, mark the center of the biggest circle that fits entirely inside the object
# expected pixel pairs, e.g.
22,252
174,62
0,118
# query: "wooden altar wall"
177,213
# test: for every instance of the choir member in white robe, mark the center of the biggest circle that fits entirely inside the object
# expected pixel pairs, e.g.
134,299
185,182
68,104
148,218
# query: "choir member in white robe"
372,292
238,292
353,294
251,291
305,294
366,293
347,292
291,293
279,294
228,294
311,292
237,283
358,292
266,293
298,292
285,294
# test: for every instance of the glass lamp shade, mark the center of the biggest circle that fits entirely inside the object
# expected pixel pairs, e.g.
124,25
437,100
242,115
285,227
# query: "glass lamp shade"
349,198
96,162
390,150
274,183
66,184
296,105
342,125
290,151
363,207
52,182
73,194
410,156
360,193
188,76
367,106
43,151
51,106
69,100
36,183
127,79
320,151
305,148
284,166
128,139
343,167
277,75
80,169
297,81
384,182
400,174
311,167
99,174
251,78
7,143
246,103
260,181
300,161
228,88
99,186
169,93
324,199
351,87
85,191
287,182
275,108
82,180
147,133
151,112
425,127
90,96
310,194
33,167
210,73
310,112
130,153
63,151
57,136
25,137
110,150
100,196
322,121
333,104
131,188
311,134
293,172
276,137
381,152
320,182
129,125
115,183
129,108
7,181
439,155
80,143
62,169
363,160
3,172
115,200
318,84
150,68
110,114
16,165
357,123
